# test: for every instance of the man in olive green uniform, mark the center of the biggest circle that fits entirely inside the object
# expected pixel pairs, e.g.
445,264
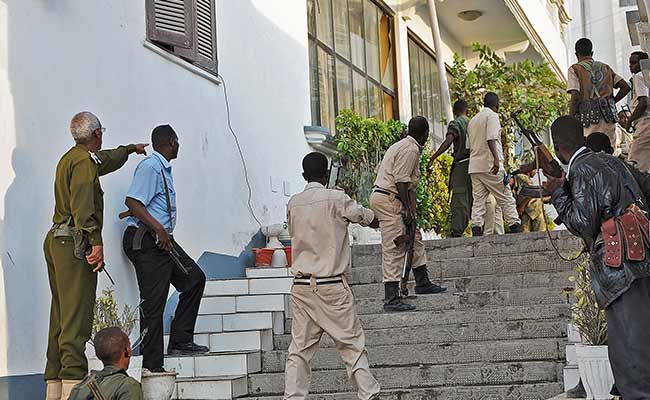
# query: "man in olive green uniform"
531,210
112,346
459,181
78,212
392,203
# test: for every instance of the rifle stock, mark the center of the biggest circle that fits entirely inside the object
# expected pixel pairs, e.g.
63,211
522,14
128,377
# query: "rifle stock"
544,158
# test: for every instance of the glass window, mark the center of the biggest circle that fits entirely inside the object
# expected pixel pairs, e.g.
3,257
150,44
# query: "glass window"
425,89
342,28
352,58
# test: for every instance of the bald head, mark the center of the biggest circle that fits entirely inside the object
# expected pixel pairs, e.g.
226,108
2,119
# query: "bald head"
568,137
491,100
111,345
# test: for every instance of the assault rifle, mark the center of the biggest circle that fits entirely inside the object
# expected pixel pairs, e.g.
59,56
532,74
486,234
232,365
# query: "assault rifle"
408,240
90,381
544,158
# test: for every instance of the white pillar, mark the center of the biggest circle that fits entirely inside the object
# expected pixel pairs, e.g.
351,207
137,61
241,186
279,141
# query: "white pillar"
442,72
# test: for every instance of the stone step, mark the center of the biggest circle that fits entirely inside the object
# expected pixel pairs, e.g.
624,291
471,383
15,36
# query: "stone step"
245,286
432,354
482,283
468,301
451,333
253,321
488,315
540,391
493,245
243,304
419,377
215,364
214,388
233,341
267,272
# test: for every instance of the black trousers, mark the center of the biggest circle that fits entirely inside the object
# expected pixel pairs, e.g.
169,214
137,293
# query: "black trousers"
155,271
628,338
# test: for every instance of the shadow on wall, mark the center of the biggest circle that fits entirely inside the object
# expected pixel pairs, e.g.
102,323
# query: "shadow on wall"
44,99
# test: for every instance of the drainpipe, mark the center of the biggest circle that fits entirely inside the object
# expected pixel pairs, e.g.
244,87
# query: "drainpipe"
442,72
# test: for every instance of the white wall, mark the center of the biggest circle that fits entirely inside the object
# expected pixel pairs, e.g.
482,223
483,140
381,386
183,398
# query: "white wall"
61,57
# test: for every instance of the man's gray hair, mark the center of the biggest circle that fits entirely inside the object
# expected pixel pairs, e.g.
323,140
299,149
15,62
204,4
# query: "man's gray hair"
83,125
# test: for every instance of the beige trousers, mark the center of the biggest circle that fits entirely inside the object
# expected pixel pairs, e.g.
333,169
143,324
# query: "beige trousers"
493,217
640,147
331,309
388,211
483,184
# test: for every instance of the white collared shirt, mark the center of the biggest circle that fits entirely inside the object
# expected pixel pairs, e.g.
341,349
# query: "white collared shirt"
573,157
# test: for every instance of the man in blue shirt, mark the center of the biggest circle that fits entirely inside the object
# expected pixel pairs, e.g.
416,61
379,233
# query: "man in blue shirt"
157,258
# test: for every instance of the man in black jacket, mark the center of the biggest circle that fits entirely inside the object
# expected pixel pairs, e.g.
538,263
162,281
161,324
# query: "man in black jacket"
598,190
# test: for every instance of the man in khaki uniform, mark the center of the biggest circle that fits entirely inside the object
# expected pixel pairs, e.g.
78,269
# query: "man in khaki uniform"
493,217
113,347
397,180
72,264
640,118
486,167
591,81
530,209
321,299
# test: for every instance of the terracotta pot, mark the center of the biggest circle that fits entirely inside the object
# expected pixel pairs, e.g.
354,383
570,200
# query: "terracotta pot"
263,257
287,251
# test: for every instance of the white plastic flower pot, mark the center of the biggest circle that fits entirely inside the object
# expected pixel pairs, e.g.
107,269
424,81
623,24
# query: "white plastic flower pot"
595,371
158,385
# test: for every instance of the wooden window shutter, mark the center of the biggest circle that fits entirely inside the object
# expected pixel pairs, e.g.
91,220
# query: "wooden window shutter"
171,22
205,40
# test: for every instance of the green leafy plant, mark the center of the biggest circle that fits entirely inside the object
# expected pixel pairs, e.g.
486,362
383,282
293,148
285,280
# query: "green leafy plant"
588,317
362,143
107,314
525,85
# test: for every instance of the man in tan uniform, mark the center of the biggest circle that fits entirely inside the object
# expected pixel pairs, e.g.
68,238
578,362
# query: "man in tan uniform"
397,180
486,167
640,118
321,299
591,86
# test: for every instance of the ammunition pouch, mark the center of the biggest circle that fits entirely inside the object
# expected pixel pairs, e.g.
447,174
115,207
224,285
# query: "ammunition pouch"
591,112
81,242
630,231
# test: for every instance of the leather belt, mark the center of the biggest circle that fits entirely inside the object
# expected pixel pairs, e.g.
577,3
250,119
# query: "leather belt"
319,281
385,192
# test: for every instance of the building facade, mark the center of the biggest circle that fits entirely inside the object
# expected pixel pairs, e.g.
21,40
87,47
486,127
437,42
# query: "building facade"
285,66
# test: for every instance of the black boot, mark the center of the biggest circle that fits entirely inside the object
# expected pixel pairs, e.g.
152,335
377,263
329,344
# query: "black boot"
393,301
515,228
477,231
577,392
422,283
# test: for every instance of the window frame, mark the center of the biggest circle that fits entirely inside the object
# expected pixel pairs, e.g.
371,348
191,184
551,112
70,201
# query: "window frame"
188,51
340,58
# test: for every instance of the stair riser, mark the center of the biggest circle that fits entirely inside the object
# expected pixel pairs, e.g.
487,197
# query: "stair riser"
450,333
540,391
432,354
552,312
211,390
214,365
412,377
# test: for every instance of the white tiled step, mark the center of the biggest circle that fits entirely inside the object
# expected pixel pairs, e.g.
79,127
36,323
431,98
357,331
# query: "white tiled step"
234,341
214,365
256,273
243,303
234,287
217,388
240,322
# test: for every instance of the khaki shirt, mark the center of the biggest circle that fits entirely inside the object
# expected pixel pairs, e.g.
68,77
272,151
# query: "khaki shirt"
639,89
401,164
482,127
77,192
114,383
318,220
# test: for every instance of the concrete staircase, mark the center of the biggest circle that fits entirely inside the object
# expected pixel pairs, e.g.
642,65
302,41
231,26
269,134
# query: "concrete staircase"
499,333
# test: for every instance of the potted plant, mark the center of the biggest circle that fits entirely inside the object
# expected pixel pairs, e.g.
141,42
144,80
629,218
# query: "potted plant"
589,318
107,315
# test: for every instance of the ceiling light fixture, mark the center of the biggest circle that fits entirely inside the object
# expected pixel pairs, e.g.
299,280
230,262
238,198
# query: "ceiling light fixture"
470,15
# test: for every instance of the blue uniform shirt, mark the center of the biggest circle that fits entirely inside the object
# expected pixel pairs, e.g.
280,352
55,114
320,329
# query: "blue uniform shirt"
148,188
